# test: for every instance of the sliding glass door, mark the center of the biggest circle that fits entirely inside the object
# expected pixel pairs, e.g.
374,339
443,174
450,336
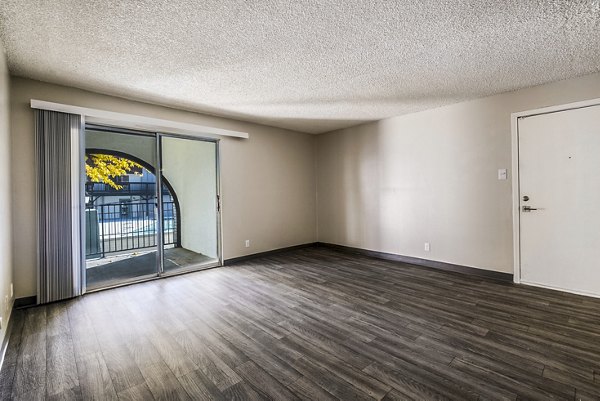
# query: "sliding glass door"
139,224
120,208
190,166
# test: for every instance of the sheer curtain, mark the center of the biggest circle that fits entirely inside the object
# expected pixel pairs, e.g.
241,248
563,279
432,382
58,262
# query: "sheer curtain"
57,205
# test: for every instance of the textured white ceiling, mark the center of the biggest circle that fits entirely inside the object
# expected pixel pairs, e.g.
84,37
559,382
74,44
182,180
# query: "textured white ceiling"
311,66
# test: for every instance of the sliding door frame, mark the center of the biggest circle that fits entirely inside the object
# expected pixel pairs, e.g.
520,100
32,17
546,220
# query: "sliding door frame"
79,191
218,210
114,130
159,201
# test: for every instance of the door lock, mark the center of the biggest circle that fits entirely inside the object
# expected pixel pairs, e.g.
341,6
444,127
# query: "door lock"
525,198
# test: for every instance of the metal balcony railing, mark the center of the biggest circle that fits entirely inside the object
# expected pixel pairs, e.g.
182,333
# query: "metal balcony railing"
114,228
130,188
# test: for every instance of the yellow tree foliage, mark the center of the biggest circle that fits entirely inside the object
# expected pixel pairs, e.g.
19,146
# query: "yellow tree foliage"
104,168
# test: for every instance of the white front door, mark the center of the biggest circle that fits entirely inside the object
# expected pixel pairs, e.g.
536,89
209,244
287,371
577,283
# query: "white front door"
559,175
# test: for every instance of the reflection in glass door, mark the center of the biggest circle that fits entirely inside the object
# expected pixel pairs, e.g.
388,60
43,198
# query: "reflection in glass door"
190,168
120,208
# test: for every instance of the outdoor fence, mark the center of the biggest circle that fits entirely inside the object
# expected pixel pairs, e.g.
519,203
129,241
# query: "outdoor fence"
127,226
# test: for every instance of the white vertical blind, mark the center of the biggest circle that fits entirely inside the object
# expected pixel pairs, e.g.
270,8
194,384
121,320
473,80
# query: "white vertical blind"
57,242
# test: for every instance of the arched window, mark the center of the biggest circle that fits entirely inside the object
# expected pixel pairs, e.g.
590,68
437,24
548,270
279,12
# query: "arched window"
120,198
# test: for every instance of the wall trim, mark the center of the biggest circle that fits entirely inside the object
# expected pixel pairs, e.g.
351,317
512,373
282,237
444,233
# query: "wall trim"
244,258
516,189
135,121
7,334
553,288
434,264
25,302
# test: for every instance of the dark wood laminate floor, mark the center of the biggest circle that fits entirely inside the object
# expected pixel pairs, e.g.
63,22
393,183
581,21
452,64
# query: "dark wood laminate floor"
311,324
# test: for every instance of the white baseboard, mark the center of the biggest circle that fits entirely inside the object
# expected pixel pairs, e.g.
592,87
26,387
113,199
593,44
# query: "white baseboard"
549,287
7,333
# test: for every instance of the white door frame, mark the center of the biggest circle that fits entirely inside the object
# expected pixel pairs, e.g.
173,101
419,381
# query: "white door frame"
516,199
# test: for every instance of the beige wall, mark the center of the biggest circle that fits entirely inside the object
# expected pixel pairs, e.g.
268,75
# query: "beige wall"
6,272
267,181
395,184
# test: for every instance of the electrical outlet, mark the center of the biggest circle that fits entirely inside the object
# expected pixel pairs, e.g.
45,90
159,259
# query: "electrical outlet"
12,293
502,174
427,247
247,243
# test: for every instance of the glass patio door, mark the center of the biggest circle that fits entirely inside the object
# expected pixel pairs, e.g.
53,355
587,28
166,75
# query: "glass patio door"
120,214
128,204
190,212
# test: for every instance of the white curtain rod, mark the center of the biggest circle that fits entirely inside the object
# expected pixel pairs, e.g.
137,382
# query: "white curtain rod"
135,121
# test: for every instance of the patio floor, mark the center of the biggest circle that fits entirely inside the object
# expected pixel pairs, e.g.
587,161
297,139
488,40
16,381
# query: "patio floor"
143,265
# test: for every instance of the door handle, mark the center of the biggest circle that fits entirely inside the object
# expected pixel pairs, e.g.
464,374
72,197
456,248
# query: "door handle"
529,208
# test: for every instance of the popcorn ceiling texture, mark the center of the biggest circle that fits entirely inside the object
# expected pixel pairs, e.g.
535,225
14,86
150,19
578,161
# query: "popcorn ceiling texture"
312,66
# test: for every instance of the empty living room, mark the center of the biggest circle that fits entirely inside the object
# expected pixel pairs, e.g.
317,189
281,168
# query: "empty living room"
299,200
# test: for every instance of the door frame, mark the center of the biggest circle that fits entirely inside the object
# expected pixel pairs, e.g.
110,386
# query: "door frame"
78,184
219,209
516,191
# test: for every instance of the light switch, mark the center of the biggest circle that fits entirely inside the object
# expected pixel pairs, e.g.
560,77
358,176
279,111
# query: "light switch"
502,174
